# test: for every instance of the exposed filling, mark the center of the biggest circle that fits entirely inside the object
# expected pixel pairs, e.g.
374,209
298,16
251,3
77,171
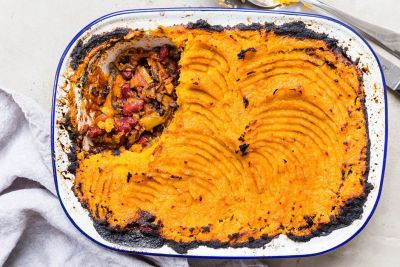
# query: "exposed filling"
135,102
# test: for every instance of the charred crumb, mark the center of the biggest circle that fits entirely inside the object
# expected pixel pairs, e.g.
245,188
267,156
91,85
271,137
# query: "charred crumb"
116,152
234,236
205,229
269,26
243,149
330,65
128,177
79,188
276,90
177,177
245,101
241,138
83,80
242,53
81,50
309,222
72,167
97,210
145,217
250,72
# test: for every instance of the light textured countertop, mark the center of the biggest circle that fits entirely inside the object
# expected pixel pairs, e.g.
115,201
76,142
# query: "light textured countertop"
34,34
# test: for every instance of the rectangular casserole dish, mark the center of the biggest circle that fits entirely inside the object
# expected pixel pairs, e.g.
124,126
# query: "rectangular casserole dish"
149,19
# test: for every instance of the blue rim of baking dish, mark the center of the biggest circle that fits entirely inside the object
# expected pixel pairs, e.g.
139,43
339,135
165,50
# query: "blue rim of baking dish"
251,10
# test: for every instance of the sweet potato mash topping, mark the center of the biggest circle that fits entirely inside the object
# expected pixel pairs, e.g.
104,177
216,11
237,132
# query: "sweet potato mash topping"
270,137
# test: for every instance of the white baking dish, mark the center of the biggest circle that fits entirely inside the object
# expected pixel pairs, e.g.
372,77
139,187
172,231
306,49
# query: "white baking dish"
151,18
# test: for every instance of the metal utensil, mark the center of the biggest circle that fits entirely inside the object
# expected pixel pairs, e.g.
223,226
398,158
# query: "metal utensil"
387,39
392,73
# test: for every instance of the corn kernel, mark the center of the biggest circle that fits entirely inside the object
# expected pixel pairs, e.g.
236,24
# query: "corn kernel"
109,125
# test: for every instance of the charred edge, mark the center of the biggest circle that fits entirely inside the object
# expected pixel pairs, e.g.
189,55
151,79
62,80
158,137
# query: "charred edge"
137,238
77,189
350,212
134,238
142,232
368,146
73,159
183,248
242,53
249,27
81,50
296,29
72,154
204,25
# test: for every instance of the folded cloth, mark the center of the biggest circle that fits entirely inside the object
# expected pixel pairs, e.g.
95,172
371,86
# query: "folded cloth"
34,231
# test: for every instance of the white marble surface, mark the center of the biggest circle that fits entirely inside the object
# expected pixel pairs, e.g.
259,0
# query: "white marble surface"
33,35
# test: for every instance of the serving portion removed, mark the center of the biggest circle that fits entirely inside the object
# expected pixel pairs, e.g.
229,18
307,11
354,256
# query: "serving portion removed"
203,136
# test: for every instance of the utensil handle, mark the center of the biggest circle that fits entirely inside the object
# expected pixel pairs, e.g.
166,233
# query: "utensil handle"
396,88
387,39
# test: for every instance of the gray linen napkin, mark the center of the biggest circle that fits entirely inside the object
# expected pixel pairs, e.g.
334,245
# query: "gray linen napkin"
34,231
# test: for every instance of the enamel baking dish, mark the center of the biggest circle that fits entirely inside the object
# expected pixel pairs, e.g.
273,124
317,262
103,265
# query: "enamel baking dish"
151,18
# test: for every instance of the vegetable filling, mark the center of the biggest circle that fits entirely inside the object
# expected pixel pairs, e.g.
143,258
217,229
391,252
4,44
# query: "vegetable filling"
136,101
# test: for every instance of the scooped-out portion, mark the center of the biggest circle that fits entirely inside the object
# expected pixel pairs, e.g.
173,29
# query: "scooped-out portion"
133,103
222,136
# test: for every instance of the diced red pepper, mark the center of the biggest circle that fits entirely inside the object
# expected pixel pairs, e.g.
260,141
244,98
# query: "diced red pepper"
133,106
127,75
125,89
94,131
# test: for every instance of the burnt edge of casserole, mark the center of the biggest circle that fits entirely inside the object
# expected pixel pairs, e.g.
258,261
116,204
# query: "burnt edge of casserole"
134,236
